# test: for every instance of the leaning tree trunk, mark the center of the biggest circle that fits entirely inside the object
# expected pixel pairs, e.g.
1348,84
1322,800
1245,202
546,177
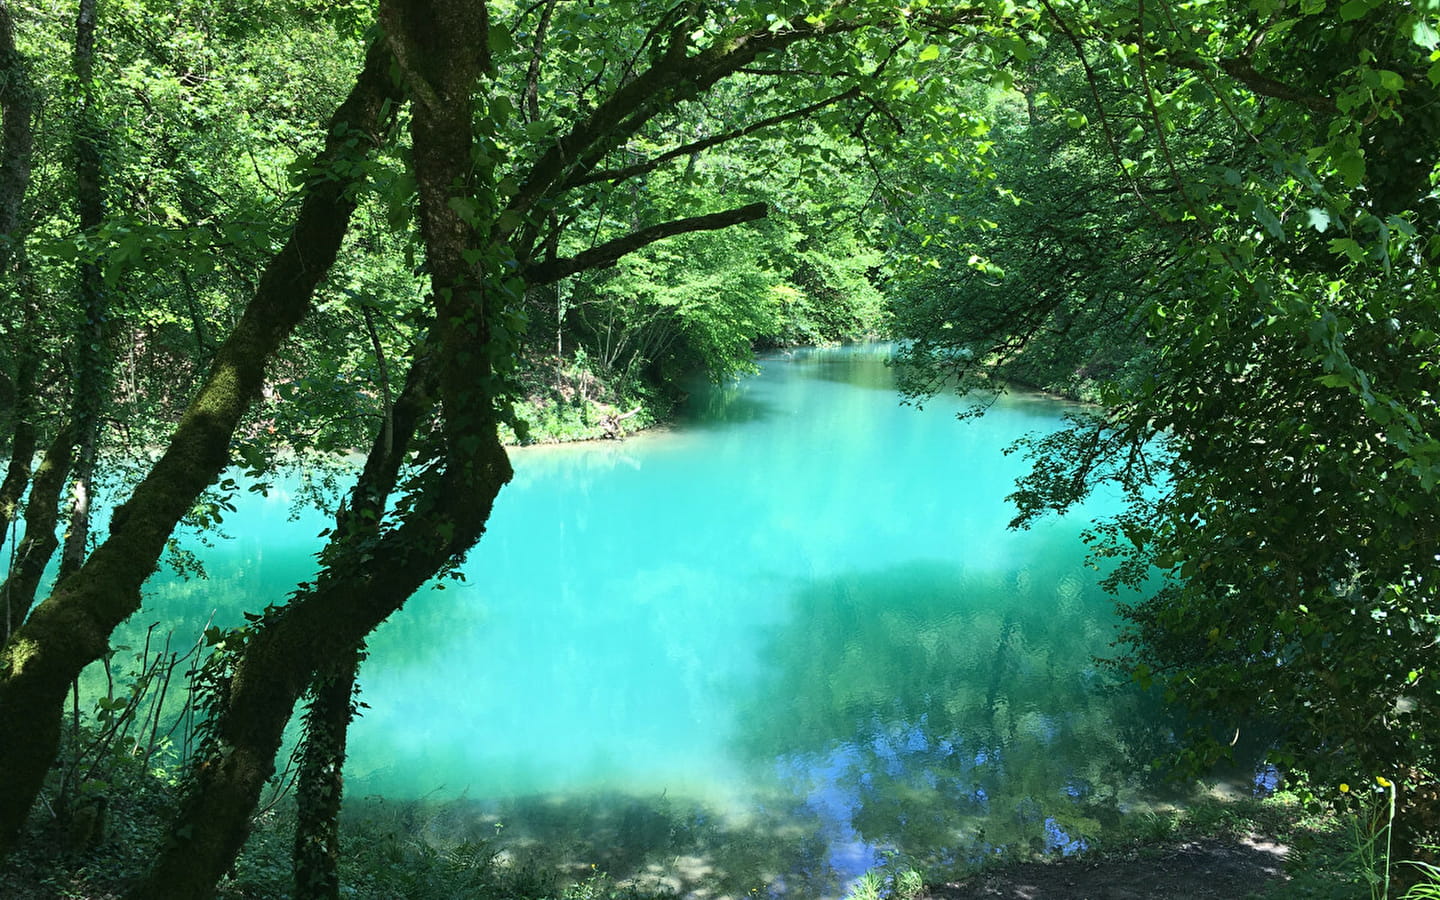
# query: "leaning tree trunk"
368,575
72,627
320,789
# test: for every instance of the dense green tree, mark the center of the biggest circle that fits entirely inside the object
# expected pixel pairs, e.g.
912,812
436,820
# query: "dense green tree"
72,626
1279,447
1239,197
520,123
1035,281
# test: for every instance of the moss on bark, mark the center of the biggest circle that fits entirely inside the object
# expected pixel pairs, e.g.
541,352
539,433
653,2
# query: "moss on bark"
72,627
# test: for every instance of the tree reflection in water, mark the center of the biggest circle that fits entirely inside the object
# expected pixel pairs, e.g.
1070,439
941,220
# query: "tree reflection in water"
944,715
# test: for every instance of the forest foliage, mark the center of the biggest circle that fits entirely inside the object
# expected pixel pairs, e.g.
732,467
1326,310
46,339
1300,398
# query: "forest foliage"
231,233
1236,258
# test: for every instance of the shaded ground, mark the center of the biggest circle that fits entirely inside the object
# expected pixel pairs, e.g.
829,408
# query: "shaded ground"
648,848
1193,870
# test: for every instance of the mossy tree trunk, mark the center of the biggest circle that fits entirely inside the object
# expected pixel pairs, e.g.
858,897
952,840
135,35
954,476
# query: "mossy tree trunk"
16,148
320,788
72,627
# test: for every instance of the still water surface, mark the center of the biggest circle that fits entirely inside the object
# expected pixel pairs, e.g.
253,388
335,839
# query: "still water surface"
766,649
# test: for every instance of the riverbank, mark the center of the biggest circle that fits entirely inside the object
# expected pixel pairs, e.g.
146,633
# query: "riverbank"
1212,849
580,408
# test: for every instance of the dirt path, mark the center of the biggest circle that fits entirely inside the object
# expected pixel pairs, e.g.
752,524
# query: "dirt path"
1195,870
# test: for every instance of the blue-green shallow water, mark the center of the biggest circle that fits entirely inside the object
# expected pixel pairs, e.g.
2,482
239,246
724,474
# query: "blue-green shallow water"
795,620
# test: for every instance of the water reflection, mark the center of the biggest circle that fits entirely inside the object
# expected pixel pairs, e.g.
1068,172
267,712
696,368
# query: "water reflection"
762,654
947,713
717,407
861,365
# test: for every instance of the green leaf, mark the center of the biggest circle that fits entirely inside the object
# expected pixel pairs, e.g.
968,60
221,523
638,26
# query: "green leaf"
1425,35
1143,676
252,457
1355,9
500,40
501,109
1351,167
510,220
1267,218
1348,247
930,52
467,208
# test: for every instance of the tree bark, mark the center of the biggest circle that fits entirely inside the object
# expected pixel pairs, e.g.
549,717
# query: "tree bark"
92,365
17,107
320,789
42,514
72,627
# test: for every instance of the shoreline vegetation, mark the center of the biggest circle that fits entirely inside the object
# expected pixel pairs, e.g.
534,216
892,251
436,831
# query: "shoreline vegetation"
589,408
571,403
1210,844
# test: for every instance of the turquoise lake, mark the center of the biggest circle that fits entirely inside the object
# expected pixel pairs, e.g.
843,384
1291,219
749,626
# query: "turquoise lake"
767,649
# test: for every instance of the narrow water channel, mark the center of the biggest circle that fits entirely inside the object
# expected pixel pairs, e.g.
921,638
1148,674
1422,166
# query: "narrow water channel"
767,649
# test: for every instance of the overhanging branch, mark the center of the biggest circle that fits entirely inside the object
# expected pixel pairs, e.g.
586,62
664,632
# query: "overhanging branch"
610,252
1242,71
697,146
579,151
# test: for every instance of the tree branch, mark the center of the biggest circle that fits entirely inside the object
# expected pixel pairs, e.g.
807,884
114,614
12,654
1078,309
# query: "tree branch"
610,252
579,150
1244,72
706,143
531,102
72,628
